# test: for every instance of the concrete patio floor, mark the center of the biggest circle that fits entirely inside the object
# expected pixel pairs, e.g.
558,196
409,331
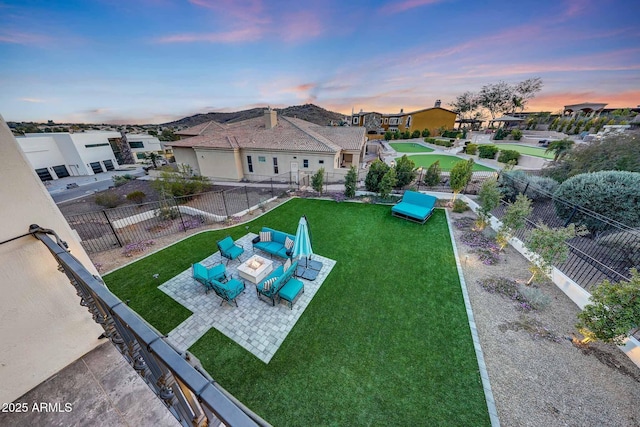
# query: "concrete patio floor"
255,324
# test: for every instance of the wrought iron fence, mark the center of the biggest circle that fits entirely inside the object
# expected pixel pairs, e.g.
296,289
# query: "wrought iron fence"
188,392
608,252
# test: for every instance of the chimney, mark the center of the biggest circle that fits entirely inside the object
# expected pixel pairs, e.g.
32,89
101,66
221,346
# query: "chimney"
401,110
270,118
438,103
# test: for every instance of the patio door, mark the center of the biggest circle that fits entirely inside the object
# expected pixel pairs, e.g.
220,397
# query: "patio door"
294,172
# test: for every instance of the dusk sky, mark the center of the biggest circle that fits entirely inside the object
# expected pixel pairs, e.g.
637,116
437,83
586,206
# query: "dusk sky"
152,61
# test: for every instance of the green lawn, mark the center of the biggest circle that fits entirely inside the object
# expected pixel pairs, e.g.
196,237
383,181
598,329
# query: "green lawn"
446,162
525,149
385,340
408,147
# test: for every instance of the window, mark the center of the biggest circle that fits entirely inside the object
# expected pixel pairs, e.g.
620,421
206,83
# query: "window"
250,164
108,165
97,167
409,121
386,120
44,174
356,120
96,145
275,165
136,144
321,162
61,171
305,163
141,156
262,159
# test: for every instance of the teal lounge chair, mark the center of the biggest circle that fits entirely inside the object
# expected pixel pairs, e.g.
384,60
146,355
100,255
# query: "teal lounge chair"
229,249
206,276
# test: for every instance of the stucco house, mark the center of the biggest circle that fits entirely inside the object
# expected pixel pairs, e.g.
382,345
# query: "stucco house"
264,147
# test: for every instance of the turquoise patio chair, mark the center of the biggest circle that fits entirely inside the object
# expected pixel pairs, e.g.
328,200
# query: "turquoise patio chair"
206,276
229,249
228,291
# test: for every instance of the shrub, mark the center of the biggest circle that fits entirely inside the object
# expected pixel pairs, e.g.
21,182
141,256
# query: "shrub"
388,181
514,218
426,133
537,299
441,142
506,156
108,199
433,175
136,196
515,182
451,134
516,134
317,180
180,183
471,149
415,134
487,151
488,199
613,194
430,140
406,134
190,223
460,176
376,171
405,171
388,136
460,206
119,180
351,182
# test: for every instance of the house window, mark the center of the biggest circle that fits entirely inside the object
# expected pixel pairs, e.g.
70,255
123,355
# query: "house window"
262,159
305,163
95,145
96,167
61,171
136,144
409,121
44,174
386,120
356,120
321,162
275,165
250,164
141,156
108,165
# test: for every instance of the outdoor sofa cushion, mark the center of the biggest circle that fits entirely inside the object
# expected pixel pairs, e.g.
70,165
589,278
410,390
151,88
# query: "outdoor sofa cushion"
415,206
276,245
282,278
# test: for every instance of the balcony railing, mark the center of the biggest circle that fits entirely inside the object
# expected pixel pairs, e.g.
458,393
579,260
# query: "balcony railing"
187,391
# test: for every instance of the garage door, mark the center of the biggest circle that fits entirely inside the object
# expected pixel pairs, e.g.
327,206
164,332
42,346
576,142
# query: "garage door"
61,171
97,168
44,174
108,165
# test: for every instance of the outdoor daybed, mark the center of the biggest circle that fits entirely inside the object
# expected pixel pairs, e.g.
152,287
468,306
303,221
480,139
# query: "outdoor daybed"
274,242
415,206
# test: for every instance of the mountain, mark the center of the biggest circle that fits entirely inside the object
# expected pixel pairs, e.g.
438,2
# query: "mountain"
309,112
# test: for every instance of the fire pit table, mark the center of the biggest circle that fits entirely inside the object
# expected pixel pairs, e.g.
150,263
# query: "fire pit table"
255,269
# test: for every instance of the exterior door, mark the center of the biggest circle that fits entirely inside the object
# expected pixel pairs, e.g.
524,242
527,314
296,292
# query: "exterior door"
294,172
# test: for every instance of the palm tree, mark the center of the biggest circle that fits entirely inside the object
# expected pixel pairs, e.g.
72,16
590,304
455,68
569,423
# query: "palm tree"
559,148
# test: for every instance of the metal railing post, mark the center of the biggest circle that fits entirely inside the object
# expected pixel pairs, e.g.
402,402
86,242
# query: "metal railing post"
113,230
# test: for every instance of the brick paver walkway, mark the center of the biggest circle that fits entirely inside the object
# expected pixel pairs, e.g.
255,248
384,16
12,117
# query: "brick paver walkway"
255,324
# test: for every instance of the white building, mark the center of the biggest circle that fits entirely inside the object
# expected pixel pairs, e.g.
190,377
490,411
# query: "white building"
57,155
142,145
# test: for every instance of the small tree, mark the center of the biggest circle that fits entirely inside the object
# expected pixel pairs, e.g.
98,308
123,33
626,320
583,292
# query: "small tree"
550,244
396,135
317,180
426,133
350,182
559,148
415,134
154,157
388,136
460,176
387,183
614,311
514,219
376,171
488,199
433,175
405,171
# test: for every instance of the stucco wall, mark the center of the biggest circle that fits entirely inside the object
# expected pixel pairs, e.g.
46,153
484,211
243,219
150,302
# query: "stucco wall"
42,152
432,120
284,162
218,164
43,328
186,156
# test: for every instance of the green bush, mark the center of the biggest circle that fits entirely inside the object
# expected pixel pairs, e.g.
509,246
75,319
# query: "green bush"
426,133
388,136
433,175
415,134
460,206
108,199
406,134
471,149
442,142
119,180
405,171
487,151
515,182
613,194
506,156
136,196
516,134
451,134
430,140
376,171
317,180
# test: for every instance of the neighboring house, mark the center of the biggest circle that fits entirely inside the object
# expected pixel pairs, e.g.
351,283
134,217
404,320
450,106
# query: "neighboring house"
429,118
142,145
268,146
56,155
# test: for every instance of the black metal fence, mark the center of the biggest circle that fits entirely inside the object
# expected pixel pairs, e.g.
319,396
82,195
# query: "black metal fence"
607,252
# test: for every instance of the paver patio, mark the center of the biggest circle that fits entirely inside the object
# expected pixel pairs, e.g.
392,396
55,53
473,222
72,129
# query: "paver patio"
255,324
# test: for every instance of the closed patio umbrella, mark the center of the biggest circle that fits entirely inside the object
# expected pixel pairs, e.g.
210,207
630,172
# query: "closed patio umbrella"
302,246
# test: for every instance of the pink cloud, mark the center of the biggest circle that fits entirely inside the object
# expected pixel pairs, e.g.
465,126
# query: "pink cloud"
234,36
299,26
247,11
18,37
557,100
33,100
397,7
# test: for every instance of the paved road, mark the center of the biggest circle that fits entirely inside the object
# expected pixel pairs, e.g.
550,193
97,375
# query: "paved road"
86,184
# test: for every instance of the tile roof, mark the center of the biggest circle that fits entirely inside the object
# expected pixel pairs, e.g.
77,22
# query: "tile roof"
290,134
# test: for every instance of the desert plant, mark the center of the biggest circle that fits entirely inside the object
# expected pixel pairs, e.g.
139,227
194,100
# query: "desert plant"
433,175
351,182
550,246
460,176
516,134
488,199
389,180
613,312
132,249
119,180
507,156
460,206
317,180
108,199
376,171
180,183
613,194
487,151
405,171
513,219
535,297
136,196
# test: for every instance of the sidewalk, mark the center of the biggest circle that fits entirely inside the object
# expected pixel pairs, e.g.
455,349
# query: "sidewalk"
60,185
